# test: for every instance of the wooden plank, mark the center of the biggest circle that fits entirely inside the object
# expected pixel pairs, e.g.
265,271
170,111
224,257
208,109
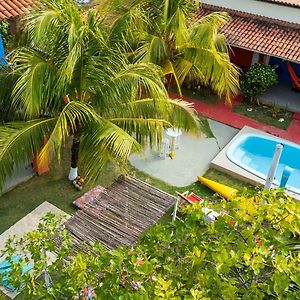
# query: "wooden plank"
119,215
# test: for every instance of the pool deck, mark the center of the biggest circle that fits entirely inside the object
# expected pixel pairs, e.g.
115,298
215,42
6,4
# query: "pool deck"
192,158
223,164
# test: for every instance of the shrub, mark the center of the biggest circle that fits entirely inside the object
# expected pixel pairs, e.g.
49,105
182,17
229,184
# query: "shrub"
258,80
4,30
250,252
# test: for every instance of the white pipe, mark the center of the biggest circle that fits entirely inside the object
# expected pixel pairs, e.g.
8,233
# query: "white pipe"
273,167
175,210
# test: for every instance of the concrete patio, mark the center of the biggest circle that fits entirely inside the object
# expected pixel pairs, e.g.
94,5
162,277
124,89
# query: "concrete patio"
282,95
192,158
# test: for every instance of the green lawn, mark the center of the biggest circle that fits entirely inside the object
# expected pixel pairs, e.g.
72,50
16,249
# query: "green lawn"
264,114
52,187
55,188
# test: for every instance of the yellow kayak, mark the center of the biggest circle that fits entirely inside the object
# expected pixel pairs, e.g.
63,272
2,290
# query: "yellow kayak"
221,189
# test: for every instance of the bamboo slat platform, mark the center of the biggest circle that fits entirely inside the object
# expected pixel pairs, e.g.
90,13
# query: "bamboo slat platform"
120,214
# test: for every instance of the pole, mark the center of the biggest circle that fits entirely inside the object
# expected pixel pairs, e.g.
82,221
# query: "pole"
273,167
47,278
287,172
175,210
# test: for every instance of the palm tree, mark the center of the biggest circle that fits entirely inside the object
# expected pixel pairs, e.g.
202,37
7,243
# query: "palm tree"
70,80
168,33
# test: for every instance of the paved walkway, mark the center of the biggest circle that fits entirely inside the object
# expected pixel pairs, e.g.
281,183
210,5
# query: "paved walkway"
222,113
192,158
282,95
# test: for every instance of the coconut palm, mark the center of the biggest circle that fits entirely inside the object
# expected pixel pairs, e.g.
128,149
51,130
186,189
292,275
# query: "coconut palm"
69,81
168,33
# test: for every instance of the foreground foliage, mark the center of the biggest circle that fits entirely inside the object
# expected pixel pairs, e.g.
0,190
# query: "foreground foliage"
250,252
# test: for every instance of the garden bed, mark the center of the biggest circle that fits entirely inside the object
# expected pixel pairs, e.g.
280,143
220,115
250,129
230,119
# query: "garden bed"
203,94
270,115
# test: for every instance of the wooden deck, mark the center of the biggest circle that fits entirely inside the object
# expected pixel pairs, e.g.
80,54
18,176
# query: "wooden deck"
120,214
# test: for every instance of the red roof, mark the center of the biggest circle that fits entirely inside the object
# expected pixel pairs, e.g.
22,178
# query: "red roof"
260,34
295,3
13,8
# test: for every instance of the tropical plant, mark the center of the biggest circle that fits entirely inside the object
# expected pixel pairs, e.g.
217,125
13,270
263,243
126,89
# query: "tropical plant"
257,80
250,252
4,30
169,34
70,80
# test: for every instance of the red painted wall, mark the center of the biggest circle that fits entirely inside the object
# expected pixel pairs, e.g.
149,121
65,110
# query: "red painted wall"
241,57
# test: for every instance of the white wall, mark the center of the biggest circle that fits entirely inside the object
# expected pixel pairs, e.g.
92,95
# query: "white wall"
280,12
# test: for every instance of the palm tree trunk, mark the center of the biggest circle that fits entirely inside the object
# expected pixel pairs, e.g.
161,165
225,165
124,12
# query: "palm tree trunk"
74,156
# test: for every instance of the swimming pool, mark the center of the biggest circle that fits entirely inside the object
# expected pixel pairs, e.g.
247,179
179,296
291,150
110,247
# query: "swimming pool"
254,153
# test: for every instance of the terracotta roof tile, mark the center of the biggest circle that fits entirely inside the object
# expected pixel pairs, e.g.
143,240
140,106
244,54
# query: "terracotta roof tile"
13,8
261,34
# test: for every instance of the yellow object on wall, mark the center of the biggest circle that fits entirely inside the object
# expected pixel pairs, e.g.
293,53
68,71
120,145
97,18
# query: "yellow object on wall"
222,189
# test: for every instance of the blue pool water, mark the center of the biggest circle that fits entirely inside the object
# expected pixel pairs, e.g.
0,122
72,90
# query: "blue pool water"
254,153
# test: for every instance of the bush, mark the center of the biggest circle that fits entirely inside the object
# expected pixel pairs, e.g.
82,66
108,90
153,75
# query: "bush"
258,80
4,30
250,252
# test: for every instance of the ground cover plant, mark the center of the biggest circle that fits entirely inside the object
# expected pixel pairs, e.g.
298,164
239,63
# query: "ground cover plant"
250,252
270,115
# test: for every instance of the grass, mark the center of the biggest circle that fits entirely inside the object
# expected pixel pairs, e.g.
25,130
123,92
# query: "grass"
52,187
265,114
55,188
195,187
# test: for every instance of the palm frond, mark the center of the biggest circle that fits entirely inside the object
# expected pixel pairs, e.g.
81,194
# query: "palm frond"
74,117
212,68
125,83
167,112
158,51
19,141
101,142
7,82
169,69
33,89
145,131
177,25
